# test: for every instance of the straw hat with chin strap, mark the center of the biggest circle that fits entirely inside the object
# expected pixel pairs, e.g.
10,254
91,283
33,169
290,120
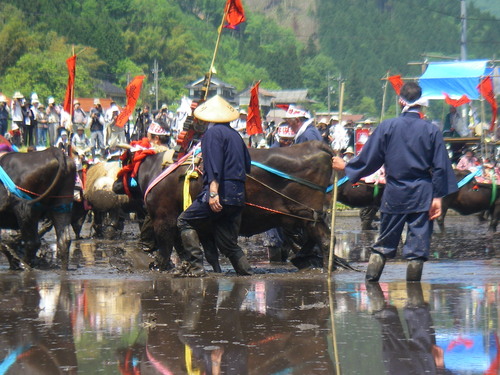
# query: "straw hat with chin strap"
216,109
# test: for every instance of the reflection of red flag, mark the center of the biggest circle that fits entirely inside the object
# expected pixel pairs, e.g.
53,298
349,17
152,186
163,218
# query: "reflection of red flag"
70,88
254,121
485,88
456,102
234,14
133,91
396,83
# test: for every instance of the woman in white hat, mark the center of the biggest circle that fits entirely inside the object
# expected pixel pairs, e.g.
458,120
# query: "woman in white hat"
16,110
54,120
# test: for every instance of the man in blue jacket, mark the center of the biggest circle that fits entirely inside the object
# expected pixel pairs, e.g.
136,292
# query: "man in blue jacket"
302,124
419,174
217,210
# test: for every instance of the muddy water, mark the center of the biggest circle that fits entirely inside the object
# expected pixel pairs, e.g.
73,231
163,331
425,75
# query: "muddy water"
110,315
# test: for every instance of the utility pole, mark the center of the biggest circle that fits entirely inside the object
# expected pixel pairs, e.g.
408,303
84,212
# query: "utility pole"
463,37
155,72
329,89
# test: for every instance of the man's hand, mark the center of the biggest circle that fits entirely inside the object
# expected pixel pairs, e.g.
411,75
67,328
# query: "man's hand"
435,210
338,163
214,204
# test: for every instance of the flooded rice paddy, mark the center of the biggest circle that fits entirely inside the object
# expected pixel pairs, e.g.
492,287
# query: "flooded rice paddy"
110,315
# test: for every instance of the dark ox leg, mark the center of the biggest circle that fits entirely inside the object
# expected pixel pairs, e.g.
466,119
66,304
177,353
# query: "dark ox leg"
494,215
62,225
165,232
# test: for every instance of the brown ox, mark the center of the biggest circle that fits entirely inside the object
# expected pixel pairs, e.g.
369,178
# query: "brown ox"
272,200
472,198
47,180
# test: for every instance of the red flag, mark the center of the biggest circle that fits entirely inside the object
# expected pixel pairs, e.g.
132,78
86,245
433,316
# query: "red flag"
456,102
283,106
396,83
254,121
485,88
133,91
70,88
234,14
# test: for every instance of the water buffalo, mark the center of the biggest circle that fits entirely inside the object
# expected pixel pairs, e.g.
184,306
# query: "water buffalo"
109,209
42,184
272,200
471,198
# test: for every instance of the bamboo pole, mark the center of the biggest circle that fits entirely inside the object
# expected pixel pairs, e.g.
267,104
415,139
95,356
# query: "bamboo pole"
384,96
216,49
335,191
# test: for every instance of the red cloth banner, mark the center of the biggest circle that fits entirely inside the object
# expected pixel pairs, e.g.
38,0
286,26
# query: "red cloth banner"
254,121
485,88
396,83
360,136
456,102
70,87
235,14
133,92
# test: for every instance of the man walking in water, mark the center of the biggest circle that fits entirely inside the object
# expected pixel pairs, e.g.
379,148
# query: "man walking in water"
418,174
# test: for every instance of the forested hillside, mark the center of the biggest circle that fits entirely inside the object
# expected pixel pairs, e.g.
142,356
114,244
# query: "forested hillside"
115,39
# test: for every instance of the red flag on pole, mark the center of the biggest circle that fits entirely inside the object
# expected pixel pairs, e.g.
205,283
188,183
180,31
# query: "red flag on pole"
70,88
235,14
396,83
133,92
485,88
254,121
456,102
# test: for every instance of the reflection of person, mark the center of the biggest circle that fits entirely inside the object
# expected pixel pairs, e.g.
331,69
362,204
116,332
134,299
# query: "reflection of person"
226,161
418,175
417,353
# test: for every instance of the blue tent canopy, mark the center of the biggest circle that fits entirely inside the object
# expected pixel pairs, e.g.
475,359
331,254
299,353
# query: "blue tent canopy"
453,78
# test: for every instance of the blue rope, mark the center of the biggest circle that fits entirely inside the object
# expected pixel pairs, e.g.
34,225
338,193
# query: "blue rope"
289,177
340,182
11,359
469,177
11,186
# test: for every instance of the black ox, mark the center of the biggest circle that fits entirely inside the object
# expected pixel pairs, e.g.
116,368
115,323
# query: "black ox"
46,179
272,201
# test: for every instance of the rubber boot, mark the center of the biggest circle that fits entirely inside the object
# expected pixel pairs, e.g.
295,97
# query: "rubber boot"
192,246
375,267
414,270
376,296
241,266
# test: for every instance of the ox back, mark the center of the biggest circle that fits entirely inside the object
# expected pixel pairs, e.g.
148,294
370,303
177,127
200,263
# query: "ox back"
48,178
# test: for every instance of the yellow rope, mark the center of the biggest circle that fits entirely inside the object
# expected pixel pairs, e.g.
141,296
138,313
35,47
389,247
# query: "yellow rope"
189,363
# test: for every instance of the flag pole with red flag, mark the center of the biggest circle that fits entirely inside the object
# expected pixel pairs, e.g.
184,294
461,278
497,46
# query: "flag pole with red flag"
70,87
234,14
133,92
254,121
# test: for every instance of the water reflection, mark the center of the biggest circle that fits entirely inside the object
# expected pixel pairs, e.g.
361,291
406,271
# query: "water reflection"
257,325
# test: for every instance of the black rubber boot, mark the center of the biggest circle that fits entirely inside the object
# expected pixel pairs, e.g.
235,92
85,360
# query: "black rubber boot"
414,270
375,267
192,246
241,266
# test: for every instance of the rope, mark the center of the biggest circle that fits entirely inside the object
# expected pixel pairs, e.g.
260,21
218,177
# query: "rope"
281,194
289,177
37,194
279,212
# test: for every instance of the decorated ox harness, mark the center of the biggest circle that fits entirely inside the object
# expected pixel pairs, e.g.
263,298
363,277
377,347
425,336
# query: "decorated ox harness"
23,194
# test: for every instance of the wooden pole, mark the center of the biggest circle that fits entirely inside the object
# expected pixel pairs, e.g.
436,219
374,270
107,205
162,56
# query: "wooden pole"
210,71
335,191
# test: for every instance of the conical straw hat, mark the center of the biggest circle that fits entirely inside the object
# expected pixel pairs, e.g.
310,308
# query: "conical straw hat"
216,109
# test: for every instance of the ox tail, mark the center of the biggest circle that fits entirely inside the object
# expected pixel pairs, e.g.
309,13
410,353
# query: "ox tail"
61,161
